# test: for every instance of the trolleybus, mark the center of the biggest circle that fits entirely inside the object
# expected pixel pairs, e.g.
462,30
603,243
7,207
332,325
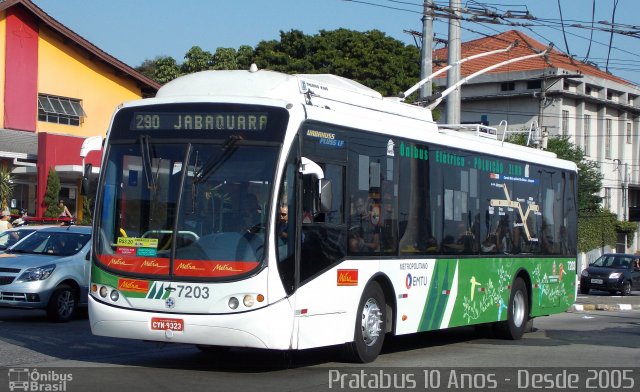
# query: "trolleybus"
260,209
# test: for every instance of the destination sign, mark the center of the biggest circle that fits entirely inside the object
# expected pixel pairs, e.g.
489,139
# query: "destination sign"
236,121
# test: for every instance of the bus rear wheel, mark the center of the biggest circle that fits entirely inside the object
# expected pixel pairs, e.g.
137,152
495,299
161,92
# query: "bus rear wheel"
517,314
370,326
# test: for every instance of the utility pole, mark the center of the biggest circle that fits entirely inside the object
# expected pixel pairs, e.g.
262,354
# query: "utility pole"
426,67
453,76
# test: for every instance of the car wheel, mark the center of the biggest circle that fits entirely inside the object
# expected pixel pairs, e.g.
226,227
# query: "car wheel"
517,313
370,326
584,289
63,304
626,288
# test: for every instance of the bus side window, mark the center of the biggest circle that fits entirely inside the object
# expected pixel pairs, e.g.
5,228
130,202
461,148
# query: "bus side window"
324,234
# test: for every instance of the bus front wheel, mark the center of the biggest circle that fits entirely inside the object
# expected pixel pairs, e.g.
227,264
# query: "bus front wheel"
517,313
370,326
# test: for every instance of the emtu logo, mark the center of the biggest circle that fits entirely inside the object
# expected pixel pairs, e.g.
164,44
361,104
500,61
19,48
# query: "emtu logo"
420,280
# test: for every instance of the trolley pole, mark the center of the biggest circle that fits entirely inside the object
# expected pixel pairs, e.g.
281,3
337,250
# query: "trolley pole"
453,101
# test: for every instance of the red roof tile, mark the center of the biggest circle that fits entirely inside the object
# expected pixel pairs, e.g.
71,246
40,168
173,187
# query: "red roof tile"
527,45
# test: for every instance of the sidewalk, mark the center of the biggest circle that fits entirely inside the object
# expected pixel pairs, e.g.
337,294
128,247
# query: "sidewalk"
600,300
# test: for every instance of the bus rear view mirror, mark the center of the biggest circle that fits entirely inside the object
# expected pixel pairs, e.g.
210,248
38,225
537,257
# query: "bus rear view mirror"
84,189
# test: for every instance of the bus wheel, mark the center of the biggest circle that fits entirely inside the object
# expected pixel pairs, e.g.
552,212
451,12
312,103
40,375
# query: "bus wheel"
517,313
370,326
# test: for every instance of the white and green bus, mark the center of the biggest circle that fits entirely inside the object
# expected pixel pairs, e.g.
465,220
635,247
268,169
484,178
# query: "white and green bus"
286,212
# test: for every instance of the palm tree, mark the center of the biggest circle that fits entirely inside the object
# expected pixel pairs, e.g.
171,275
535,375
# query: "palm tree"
6,187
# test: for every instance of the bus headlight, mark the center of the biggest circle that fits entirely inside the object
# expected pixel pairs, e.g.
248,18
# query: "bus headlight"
233,303
103,292
248,300
114,295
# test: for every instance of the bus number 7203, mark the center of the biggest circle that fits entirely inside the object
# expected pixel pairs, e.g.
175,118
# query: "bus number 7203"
185,291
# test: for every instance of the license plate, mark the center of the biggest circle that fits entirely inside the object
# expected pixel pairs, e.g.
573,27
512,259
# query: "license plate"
163,324
596,281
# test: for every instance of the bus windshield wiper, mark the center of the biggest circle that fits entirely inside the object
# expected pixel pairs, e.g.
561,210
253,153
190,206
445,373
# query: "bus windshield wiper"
211,166
147,163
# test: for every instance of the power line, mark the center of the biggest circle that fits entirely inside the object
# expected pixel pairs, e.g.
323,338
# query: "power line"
593,15
566,44
613,18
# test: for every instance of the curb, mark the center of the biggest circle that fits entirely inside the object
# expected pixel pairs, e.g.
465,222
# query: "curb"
607,307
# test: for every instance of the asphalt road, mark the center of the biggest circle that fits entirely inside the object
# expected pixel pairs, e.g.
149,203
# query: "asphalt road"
569,342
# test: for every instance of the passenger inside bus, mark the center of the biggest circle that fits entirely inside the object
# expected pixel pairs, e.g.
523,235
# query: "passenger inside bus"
365,220
283,223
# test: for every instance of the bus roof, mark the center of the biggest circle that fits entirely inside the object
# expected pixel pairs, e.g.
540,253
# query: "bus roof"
349,101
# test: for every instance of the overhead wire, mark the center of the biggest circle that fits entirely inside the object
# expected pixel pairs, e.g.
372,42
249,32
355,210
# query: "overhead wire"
613,18
566,44
593,16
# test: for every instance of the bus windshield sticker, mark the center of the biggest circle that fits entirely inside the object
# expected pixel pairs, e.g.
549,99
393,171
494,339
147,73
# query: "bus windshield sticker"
145,247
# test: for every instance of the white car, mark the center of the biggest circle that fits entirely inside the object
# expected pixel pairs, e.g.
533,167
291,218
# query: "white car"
48,269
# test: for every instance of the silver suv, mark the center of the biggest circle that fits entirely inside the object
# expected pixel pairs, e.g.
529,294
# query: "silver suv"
48,270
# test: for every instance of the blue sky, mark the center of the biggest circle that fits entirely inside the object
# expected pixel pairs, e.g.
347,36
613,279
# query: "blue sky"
135,30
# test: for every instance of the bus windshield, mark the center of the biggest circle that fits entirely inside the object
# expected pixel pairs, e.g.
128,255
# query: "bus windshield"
194,208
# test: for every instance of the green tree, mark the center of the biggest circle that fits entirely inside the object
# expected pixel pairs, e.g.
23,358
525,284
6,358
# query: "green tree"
225,58
166,69
196,60
51,198
87,211
371,58
589,178
244,57
6,187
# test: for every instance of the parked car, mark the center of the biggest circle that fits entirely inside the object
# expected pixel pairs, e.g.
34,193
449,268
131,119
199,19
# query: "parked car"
9,237
48,270
612,272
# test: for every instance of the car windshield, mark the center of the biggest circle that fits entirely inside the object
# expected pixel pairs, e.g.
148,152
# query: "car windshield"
10,237
52,243
614,261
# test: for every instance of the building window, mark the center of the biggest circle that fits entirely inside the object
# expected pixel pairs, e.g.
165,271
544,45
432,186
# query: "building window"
508,86
534,84
587,133
587,90
60,110
628,133
565,123
607,138
607,198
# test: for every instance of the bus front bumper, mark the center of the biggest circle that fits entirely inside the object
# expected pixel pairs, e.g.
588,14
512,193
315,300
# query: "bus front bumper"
269,327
